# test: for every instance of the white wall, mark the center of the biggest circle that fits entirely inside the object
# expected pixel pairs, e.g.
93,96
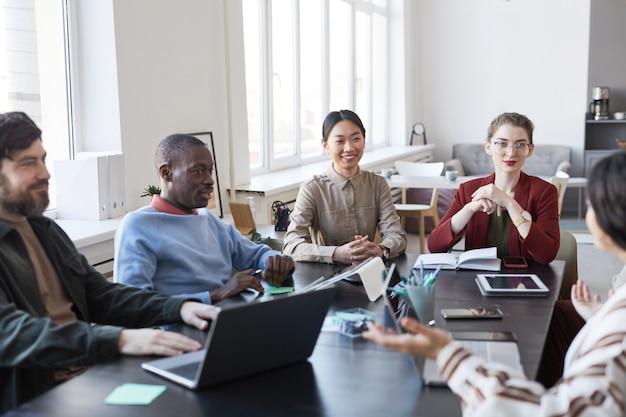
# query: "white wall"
178,67
479,58
172,79
169,76
94,73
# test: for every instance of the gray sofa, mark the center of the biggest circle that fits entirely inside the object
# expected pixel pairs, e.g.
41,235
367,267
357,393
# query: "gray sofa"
546,160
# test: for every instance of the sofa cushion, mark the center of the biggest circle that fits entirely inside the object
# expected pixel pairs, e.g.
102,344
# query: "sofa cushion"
473,158
546,160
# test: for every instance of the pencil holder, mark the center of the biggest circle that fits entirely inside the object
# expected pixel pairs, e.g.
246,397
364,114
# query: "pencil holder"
422,300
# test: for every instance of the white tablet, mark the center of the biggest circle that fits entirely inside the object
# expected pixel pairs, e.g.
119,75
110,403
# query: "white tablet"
511,285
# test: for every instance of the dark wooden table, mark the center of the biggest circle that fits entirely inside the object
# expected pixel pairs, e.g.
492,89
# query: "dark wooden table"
343,377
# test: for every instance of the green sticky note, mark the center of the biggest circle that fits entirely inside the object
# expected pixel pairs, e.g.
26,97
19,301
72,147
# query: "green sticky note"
134,394
354,316
277,290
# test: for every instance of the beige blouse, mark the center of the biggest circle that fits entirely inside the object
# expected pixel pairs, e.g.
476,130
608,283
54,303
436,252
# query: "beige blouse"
330,210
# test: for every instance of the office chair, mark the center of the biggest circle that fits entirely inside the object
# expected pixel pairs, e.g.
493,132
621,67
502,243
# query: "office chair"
560,181
568,252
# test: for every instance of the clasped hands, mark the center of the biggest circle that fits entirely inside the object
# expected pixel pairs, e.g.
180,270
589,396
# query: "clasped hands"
489,198
357,251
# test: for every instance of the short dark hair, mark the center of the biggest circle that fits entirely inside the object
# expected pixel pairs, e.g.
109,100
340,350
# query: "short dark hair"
335,117
17,132
173,147
513,119
607,195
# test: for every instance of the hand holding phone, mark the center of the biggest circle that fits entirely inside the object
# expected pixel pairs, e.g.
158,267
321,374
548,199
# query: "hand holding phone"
471,313
514,262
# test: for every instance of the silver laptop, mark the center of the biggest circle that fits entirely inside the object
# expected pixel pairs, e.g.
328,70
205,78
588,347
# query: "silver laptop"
495,346
368,273
249,338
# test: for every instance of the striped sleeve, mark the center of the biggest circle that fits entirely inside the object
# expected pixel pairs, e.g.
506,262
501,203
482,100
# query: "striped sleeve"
594,383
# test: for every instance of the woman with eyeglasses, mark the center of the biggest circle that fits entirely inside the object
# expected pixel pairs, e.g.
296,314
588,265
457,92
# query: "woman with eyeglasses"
594,376
513,211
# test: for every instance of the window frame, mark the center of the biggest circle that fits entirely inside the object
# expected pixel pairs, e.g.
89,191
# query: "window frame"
38,67
268,161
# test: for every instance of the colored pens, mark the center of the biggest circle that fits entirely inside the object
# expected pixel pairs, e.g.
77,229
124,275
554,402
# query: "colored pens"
432,276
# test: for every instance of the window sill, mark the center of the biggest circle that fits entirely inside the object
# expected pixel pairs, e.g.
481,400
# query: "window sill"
94,239
284,185
276,182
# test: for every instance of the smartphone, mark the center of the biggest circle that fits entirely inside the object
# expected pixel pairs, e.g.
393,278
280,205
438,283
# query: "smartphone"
471,313
514,262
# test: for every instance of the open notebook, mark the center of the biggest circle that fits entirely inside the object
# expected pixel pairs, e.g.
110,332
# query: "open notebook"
493,346
249,338
483,259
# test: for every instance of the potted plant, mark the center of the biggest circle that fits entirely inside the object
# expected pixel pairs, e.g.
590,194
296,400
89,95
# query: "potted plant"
150,191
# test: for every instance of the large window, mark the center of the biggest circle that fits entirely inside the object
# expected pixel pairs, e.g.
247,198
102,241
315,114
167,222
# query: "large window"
305,58
33,70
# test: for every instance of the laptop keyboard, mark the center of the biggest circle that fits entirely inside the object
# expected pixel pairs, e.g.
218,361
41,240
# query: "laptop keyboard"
492,351
431,370
479,347
187,371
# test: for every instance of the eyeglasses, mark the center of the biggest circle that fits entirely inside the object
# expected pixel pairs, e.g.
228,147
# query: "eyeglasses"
518,147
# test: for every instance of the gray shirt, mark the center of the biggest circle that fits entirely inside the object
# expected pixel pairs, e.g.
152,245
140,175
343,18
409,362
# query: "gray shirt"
331,210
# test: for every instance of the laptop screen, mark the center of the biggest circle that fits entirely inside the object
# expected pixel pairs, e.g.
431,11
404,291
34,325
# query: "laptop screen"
396,306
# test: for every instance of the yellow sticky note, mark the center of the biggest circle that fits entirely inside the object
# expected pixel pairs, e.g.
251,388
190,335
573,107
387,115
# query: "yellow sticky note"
134,394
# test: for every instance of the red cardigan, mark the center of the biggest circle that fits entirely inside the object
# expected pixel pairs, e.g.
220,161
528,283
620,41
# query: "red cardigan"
538,197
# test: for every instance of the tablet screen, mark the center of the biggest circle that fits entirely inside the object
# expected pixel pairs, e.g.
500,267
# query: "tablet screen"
513,282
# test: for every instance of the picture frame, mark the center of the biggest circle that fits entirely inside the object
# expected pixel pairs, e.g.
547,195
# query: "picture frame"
215,203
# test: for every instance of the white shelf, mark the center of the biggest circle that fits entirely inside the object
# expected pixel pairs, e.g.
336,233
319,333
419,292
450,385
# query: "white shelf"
93,238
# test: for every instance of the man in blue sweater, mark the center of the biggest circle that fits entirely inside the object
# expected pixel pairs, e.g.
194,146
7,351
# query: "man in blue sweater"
176,246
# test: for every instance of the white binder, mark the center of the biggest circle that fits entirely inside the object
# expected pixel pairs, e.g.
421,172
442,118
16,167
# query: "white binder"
90,188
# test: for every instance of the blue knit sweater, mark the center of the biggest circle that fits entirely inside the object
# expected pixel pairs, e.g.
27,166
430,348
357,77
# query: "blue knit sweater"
182,255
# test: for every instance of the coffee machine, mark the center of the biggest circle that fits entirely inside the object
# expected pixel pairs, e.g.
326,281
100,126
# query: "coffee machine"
599,107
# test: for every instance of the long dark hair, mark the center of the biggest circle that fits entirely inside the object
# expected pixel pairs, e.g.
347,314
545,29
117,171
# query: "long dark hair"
335,117
606,192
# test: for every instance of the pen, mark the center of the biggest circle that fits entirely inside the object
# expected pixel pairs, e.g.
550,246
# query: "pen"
432,277
421,272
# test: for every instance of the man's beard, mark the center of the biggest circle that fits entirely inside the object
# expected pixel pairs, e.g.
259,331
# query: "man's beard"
23,204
